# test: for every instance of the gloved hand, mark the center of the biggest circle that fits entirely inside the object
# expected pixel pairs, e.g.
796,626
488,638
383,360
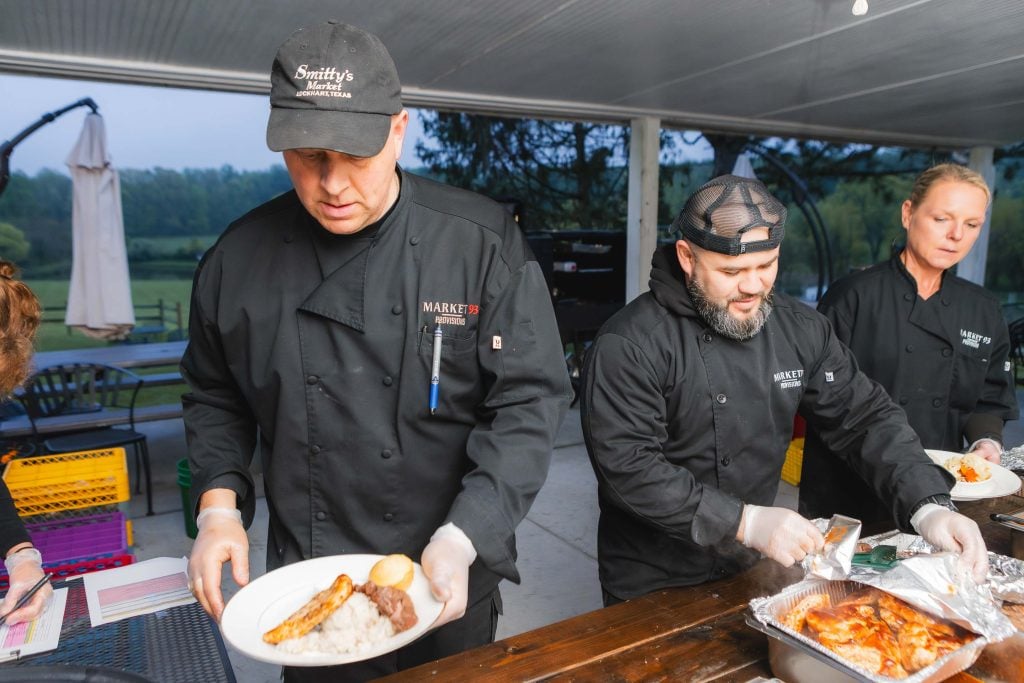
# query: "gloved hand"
221,539
990,449
948,530
25,568
778,533
446,561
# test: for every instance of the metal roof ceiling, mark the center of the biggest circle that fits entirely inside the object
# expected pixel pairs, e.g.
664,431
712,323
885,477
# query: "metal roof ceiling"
913,72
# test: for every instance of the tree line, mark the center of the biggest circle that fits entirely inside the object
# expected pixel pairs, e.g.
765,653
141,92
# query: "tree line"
562,175
35,212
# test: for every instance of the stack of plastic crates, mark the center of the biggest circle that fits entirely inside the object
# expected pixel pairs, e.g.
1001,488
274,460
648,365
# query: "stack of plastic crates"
69,502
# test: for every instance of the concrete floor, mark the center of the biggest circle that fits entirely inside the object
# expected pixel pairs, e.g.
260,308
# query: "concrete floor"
557,541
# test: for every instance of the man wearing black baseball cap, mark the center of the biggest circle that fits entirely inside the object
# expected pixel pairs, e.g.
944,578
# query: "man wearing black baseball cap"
389,345
689,395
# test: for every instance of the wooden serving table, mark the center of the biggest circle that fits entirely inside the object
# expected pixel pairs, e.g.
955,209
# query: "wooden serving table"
683,634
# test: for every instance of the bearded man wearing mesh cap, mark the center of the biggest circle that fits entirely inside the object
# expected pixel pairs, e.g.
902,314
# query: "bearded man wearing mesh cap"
689,395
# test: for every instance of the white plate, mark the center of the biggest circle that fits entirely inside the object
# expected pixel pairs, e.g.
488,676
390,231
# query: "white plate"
272,598
1003,482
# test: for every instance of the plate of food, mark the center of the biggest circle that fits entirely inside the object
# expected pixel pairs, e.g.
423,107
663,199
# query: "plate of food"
331,610
976,478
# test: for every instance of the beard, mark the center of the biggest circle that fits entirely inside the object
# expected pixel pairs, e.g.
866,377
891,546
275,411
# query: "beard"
718,317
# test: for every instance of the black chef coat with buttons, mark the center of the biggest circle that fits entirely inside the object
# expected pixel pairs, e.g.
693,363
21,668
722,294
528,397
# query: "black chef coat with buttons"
324,346
944,360
684,426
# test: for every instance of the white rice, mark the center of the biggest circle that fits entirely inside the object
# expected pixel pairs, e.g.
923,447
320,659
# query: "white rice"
354,627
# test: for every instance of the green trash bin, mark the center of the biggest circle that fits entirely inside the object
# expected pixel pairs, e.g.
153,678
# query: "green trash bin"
185,484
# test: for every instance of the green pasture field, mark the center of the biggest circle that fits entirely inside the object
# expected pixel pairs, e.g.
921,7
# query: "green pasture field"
54,336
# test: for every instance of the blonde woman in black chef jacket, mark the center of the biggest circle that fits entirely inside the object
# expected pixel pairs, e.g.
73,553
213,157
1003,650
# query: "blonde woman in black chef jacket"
937,343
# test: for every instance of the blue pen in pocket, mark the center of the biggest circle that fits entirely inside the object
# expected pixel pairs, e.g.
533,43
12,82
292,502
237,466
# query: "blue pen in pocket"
435,371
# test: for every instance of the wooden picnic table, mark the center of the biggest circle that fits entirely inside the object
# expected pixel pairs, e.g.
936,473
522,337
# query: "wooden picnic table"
131,356
122,355
696,633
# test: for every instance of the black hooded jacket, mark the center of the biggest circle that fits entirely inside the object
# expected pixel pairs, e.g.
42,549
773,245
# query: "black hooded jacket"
684,426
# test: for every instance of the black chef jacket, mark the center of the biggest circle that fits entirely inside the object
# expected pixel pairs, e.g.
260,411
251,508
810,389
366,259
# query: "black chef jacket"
325,347
684,426
944,360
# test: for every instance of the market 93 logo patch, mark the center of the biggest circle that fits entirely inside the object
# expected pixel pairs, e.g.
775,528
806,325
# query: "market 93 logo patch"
973,340
449,312
788,379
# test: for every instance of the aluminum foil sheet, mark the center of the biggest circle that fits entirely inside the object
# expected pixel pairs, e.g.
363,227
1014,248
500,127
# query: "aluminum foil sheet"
1013,459
933,583
1006,578
834,560
768,611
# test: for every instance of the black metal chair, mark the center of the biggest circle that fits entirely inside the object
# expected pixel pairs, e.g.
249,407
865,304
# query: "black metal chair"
78,389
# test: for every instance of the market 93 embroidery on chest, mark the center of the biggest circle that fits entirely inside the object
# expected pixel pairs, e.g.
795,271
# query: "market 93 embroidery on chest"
973,340
450,312
789,379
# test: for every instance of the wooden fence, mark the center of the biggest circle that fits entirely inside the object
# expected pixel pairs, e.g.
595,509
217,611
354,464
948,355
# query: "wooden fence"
160,321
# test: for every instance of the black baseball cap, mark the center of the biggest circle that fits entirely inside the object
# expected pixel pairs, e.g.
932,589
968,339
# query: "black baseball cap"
333,86
722,209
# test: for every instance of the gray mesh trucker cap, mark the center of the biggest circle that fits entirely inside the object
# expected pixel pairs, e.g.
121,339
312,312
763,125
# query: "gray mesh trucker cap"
720,211
332,86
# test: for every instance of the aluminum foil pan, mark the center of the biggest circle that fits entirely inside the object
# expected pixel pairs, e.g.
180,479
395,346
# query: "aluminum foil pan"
796,658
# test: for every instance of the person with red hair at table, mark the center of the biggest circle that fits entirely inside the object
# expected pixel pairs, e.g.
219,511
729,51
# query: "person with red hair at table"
20,315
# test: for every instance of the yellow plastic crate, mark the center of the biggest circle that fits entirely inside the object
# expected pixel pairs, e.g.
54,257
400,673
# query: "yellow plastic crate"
794,462
68,481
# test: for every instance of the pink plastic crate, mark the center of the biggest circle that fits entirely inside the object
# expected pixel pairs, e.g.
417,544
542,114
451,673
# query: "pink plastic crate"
64,571
78,538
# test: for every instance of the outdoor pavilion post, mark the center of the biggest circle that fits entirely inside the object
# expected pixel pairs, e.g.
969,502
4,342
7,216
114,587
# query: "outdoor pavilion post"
642,203
973,266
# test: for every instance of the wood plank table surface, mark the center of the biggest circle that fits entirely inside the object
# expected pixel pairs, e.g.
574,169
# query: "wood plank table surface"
695,633
121,355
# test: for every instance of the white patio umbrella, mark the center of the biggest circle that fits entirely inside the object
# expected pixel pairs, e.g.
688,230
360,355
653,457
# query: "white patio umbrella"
100,296
743,168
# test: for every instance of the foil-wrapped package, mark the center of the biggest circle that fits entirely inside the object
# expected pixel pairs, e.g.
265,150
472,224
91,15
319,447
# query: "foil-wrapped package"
1013,459
1006,578
834,560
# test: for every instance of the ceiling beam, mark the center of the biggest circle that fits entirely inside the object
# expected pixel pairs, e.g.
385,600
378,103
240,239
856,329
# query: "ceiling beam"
148,73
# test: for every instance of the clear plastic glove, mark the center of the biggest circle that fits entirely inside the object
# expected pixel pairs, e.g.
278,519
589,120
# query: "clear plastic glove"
778,533
446,561
221,539
25,568
990,449
951,531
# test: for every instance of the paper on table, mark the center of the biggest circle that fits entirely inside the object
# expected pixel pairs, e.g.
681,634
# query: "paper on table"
141,588
42,634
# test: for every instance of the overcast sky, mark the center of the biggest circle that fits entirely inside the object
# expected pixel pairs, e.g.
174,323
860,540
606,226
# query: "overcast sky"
146,126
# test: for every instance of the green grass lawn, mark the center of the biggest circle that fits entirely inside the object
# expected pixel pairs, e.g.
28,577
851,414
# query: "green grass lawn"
54,336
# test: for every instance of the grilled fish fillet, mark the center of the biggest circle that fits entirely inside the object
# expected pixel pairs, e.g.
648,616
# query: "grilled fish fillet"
313,612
